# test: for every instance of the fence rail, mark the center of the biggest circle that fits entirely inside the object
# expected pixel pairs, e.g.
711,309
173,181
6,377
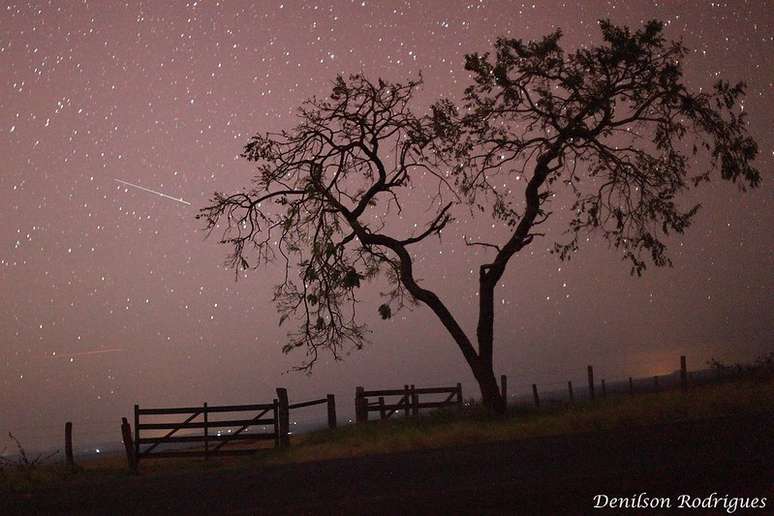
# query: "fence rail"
206,437
329,401
212,439
409,401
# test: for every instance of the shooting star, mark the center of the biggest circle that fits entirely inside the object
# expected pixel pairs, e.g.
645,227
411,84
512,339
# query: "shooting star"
86,353
178,199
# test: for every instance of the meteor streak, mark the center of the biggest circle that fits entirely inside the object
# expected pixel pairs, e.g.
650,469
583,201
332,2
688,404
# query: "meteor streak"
93,352
180,200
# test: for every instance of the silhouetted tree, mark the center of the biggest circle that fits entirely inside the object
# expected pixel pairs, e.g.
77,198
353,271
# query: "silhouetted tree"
612,126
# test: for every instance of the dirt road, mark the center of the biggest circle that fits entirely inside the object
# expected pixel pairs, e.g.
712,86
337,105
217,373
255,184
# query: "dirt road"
553,475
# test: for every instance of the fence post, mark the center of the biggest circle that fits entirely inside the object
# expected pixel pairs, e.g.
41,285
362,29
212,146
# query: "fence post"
459,395
414,401
683,374
631,386
69,445
284,416
331,411
382,412
407,399
535,395
361,416
604,389
137,434
276,423
504,388
569,388
126,434
591,383
206,434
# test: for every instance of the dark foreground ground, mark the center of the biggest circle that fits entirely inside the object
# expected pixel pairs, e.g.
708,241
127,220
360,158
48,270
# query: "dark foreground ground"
553,475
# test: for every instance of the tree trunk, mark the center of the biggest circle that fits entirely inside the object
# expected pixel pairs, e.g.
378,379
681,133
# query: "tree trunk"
480,363
491,396
483,370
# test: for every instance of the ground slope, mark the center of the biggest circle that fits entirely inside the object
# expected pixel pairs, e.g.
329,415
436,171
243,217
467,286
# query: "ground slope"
551,475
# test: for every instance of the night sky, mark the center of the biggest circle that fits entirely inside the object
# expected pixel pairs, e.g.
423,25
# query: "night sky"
111,295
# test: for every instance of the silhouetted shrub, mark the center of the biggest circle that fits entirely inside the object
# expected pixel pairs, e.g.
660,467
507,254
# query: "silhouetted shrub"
22,462
761,367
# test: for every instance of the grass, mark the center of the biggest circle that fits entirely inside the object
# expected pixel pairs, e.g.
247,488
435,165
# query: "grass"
440,429
443,428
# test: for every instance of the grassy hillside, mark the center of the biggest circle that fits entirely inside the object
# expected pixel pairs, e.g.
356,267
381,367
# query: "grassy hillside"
742,396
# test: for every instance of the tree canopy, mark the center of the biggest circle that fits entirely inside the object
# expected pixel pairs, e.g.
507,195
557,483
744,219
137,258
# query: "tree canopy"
613,124
612,127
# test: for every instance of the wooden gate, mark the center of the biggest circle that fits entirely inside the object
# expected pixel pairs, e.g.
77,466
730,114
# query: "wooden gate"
207,429
408,401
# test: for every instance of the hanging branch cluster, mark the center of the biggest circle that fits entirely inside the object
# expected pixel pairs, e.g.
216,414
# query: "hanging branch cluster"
613,123
322,193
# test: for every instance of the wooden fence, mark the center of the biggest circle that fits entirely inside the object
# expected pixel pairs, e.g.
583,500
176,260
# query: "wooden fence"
329,401
217,425
207,423
408,401
276,416
599,389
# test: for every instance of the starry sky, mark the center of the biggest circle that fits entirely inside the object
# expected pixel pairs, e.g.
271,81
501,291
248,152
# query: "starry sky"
112,296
